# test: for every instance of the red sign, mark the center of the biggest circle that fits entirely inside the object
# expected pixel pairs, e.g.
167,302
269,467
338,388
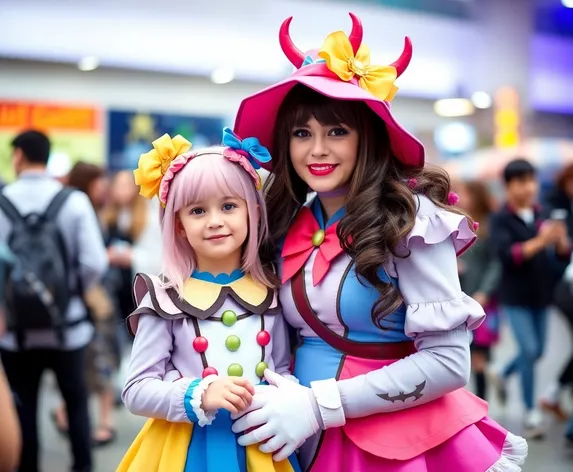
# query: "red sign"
48,117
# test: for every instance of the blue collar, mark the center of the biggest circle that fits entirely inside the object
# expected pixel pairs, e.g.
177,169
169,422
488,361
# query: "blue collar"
317,212
221,279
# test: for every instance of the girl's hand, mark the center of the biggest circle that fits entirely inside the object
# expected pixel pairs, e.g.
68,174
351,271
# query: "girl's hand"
234,394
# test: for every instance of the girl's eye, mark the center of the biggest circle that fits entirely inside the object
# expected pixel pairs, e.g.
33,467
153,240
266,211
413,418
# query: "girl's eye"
197,211
338,132
229,206
301,133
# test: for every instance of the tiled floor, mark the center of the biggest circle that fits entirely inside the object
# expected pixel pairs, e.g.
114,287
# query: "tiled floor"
545,456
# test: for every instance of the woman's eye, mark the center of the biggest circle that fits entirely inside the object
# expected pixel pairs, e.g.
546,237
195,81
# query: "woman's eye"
338,132
301,133
197,211
229,206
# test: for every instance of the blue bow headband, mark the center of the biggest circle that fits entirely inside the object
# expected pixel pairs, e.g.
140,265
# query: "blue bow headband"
255,152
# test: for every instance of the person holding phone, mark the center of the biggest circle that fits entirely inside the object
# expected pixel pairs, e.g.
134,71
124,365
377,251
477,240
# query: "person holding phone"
534,253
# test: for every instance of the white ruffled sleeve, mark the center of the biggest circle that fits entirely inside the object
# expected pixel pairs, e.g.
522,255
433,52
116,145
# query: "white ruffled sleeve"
428,279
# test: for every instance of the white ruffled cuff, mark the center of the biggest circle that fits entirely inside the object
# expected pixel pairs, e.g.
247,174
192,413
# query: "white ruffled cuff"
443,316
205,417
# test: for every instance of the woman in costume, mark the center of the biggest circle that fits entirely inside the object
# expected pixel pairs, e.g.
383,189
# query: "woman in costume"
206,330
369,280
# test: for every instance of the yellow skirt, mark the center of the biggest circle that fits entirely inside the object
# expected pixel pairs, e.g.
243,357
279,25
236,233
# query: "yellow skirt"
162,446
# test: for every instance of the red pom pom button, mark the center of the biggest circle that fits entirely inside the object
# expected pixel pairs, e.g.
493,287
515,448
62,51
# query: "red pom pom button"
200,344
263,338
209,371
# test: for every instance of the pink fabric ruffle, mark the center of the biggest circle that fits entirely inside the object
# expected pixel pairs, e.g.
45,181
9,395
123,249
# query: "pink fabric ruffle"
239,158
481,447
180,161
176,165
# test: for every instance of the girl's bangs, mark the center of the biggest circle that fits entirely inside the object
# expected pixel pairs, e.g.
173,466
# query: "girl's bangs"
207,176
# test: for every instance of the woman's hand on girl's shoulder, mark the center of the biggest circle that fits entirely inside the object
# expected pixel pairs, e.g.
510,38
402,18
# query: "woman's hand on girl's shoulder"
234,394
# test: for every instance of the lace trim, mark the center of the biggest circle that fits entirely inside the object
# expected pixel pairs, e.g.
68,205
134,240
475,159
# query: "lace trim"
513,455
205,417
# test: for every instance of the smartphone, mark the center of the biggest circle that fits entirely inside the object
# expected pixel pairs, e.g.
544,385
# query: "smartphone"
558,214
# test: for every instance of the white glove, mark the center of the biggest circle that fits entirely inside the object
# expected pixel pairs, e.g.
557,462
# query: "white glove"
285,414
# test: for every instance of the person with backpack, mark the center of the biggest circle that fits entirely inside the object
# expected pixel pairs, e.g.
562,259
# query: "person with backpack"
59,253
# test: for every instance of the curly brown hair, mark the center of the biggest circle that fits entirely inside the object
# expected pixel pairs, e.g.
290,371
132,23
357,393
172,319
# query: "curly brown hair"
381,206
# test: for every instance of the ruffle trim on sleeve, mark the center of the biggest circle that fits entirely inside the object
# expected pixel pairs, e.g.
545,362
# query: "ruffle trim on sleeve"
436,227
205,417
443,316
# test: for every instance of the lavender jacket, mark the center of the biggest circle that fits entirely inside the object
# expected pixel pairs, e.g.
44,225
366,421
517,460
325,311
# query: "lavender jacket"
228,325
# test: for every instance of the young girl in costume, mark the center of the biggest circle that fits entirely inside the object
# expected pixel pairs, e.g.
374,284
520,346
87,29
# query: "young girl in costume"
369,279
209,326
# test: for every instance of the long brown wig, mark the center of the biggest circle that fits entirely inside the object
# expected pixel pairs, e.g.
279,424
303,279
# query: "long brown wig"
381,207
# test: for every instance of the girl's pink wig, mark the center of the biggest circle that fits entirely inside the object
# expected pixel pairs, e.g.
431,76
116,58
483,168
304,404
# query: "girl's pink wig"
209,174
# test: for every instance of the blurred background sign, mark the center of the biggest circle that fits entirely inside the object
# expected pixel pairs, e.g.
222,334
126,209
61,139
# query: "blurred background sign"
507,118
76,132
130,133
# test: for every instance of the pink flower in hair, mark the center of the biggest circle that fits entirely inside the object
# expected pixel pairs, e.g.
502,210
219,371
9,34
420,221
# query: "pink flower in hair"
453,198
240,158
412,183
475,226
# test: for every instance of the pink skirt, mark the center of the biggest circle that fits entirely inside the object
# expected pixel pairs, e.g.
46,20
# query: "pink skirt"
481,447
452,433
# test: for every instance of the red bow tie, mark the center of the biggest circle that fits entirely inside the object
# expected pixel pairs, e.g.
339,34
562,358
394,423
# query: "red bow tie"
302,238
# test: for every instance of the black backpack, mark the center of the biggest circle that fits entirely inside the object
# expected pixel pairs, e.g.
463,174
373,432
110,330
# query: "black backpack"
37,287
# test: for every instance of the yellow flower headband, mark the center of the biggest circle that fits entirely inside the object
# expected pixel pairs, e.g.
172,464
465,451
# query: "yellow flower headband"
154,164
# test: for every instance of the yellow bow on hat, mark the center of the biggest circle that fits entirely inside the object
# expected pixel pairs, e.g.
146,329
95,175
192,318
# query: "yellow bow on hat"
340,59
154,164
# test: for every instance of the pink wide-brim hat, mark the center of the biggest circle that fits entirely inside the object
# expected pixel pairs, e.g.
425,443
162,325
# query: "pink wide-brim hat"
258,113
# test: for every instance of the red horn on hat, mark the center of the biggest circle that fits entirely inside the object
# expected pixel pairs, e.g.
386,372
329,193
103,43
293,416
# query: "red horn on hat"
293,54
355,37
402,62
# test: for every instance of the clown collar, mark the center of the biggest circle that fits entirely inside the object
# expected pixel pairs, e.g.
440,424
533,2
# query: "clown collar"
204,294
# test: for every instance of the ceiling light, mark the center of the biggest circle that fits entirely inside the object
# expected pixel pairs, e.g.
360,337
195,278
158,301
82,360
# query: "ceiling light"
567,3
223,75
481,100
88,63
451,107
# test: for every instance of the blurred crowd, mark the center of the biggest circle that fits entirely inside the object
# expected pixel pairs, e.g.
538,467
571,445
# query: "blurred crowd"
517,271
111,234
520,268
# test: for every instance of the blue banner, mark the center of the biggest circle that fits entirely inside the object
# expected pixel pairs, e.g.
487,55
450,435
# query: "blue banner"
130,134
